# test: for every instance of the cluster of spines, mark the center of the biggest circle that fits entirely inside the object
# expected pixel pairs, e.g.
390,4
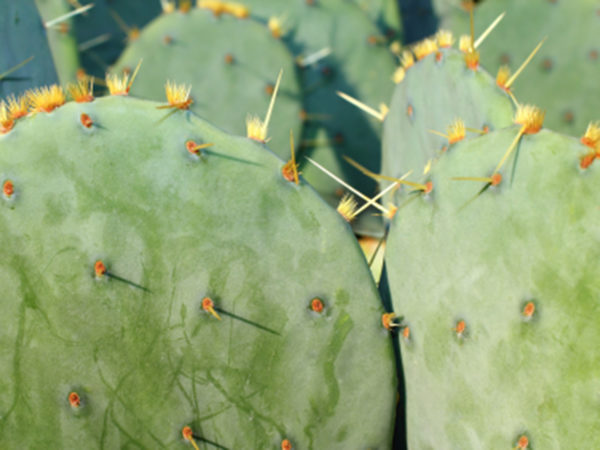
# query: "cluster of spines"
44,99
48,98
276,25
219,7
591,139
12,109
443,39
531,119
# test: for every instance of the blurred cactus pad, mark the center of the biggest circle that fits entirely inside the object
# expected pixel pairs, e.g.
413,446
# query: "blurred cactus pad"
107,28
231,65
563,77
386,14
339,50
164,285
58,22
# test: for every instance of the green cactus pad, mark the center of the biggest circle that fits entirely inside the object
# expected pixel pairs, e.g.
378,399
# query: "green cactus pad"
385,14
356,67
432,95
61,38
563,77
101,35
172,228
23,37
231,64
518,368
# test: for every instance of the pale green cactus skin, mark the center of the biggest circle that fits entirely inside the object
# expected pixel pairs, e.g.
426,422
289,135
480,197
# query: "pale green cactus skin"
231,65
435,92
457,256
143,355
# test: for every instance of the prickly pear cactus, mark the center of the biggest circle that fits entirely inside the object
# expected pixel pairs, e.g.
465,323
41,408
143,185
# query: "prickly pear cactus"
496,279
385,14
563,77
23,39
155,293
104,32
231,64
438,94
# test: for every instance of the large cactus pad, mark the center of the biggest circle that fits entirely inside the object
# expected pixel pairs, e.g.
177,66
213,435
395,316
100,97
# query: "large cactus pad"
500,294
112,236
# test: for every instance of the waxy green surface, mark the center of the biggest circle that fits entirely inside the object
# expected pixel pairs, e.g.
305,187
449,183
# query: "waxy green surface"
432,95
456,256
194,47
147,362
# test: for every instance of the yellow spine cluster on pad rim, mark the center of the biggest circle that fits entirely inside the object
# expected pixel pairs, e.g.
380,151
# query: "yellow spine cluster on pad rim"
530,117
46,98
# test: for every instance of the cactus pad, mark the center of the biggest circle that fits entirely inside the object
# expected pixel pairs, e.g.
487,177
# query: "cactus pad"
231,64
61,38
563,77
436,91
104,32
113,237
499,290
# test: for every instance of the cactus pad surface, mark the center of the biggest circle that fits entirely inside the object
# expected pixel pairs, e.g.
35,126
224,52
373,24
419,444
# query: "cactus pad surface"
23,37
436,91
499,290
113,235
231,64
